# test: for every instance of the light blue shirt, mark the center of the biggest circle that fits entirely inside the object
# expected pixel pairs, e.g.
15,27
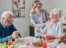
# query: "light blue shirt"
55,30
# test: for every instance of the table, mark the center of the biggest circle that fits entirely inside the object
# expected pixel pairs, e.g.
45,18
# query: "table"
30,39
50,45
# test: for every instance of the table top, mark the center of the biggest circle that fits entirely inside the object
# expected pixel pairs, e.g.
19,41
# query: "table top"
50,45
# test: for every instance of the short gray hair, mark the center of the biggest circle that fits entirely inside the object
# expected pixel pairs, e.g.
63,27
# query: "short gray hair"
55,12
5,13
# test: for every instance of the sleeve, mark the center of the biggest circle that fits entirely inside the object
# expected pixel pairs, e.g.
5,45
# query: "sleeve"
60,30
14,29
5,39
45,29
34,23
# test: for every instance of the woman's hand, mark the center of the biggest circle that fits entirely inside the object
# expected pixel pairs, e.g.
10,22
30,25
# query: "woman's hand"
47,22
38,30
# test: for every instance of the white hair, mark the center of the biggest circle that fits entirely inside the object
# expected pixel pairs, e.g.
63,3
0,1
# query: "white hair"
5,14
55,12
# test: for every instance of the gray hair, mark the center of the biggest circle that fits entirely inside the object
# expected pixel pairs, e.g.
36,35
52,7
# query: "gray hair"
4,15
55,12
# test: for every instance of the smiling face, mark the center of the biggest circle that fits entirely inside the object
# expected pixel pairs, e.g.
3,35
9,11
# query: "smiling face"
8,20
38,7
54,14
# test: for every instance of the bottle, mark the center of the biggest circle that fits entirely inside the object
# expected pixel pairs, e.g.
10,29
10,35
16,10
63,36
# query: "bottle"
44,43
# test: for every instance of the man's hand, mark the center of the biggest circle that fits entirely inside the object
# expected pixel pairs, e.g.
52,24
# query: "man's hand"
15,35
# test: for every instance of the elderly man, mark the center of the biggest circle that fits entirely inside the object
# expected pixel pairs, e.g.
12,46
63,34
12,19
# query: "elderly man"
7,29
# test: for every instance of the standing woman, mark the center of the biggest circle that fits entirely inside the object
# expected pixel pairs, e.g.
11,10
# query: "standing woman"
38,17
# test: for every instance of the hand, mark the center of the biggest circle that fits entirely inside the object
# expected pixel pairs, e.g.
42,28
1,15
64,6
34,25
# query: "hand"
38,30
15,35
52,37
47,22
62,39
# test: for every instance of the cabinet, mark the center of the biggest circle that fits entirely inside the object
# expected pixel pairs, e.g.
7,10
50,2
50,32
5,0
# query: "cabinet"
31,29
64,28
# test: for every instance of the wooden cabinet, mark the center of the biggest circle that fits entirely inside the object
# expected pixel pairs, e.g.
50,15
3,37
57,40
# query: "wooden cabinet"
64,27
31,28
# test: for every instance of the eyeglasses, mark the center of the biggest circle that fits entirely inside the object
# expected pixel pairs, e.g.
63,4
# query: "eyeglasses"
9,21
39,7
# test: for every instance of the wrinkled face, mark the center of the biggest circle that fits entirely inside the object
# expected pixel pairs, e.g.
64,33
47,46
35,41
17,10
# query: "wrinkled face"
7,21
52,16
39,7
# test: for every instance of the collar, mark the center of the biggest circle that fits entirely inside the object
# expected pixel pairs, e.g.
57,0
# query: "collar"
3,25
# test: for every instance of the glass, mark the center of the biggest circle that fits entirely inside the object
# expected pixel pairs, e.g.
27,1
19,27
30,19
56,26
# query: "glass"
9,42
22,43
9,21
44,45
47,37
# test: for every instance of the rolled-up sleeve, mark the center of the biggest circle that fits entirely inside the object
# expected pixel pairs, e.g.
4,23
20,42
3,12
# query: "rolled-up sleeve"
5,39
45,29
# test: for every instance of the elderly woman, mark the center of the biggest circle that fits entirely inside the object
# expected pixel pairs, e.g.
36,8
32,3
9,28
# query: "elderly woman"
38,17
55,27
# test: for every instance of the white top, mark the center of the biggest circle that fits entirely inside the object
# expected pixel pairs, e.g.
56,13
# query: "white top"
55,30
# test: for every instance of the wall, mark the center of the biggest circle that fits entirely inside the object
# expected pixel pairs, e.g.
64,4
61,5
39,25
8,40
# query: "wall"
5,5
47,4
60,4
22,24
